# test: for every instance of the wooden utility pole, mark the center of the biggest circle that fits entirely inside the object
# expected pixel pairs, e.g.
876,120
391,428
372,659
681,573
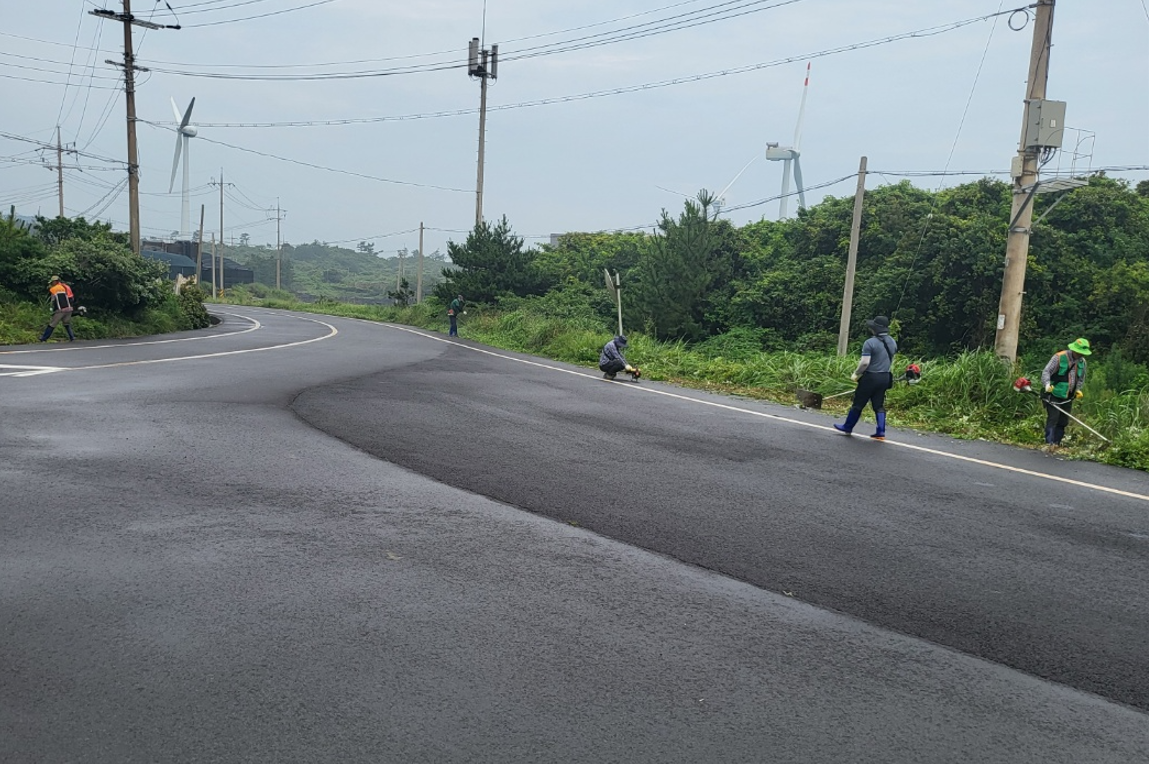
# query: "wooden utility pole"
130,69
1024,177
278,246
133,150
60,169
419,275
484,65
852,260
199,247
221,223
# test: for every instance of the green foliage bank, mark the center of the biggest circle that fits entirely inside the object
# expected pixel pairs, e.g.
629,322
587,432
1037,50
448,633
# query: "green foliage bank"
125,295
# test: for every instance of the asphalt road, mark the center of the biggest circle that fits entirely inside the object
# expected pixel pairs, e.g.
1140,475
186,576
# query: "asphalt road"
295,538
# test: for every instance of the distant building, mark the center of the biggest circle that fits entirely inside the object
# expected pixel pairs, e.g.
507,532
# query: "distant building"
181,257
178,265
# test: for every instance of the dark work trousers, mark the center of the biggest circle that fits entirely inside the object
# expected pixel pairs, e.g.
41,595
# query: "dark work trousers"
454,326
612,367
871,389
1055,421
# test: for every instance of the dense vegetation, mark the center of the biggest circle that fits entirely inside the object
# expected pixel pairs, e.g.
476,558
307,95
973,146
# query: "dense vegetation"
125,295
319,270
755,310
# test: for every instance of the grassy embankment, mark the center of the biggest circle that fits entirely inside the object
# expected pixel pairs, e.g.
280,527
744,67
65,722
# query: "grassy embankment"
968,397
21,323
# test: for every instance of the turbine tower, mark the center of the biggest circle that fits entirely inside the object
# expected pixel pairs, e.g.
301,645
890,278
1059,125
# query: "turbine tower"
183,137
789,156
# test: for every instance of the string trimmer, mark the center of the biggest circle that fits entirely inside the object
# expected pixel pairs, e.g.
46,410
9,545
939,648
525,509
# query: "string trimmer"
1023,385
811,400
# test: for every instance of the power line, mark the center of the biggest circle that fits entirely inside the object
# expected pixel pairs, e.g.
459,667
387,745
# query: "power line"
919,33
700,17
260,16
318,166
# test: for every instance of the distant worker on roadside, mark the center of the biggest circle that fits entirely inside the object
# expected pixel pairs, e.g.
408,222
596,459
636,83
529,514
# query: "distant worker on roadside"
1061,382
61,300
611,361
453,312
874,376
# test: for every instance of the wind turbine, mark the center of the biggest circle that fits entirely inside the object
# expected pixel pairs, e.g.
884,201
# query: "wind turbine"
789,155
183,137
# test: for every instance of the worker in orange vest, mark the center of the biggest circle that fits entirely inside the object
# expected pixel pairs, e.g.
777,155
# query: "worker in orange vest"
61,298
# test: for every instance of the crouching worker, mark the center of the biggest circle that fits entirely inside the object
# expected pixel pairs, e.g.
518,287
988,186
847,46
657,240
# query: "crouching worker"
874,376
60,297
612,361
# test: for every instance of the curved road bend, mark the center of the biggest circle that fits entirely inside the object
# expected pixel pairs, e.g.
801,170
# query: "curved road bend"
188,571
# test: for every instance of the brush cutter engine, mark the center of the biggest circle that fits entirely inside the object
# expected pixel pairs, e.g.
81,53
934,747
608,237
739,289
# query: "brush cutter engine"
1022,385
913,374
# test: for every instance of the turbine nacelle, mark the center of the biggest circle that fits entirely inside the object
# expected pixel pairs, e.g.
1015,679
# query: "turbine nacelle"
189,131
789,155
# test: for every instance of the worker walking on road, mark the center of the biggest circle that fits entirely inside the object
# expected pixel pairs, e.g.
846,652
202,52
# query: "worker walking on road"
874,376
61,298
1061,382
453,312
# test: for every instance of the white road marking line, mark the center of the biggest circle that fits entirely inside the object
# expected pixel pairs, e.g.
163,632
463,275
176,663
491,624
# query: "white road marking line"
298,343
28,371
897,444
58,349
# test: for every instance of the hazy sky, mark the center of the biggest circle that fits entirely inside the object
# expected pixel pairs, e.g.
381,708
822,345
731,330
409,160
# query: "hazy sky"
556,159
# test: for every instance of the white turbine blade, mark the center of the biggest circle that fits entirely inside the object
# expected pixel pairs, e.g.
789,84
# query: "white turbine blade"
187,115
798,182
176,161
176,110
736,177
802,111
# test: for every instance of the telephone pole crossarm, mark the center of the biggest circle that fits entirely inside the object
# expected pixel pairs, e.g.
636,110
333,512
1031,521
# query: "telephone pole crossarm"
130,69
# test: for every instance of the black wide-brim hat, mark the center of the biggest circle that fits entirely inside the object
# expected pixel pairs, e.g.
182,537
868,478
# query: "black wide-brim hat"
878,324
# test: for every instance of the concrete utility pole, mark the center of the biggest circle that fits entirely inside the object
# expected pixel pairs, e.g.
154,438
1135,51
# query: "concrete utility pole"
1025,169
199,247
59,168
214,276
483,64
130,69
852,260
278,246
419,275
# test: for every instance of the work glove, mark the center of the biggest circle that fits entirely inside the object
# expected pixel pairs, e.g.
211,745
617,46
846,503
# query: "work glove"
1079,395
1049,388
854,377
629,369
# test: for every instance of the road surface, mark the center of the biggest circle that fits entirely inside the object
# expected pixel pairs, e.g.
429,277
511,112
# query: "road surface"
301,538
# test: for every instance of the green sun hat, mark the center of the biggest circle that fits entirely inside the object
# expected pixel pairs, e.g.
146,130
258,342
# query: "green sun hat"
1080,346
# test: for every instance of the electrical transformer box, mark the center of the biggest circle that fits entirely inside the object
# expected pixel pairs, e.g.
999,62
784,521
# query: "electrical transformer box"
1044,124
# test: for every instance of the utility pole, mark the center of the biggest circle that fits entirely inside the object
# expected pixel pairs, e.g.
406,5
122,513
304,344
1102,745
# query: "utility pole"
199,248
399,274
852,260
419,276
130,69
483,64
1024,171
278,246
221,185
214,272
59,168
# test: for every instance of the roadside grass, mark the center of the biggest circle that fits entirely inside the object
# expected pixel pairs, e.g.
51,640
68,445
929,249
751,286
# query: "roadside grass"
968,397
21,323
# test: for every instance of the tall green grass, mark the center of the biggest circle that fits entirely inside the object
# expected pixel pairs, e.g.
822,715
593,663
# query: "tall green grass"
970,396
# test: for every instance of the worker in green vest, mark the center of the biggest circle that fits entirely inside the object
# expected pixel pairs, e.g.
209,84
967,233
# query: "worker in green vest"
1061,382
